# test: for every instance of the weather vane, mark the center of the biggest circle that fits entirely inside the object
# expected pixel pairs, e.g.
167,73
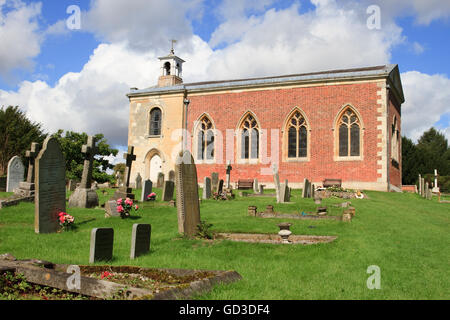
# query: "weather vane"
173,42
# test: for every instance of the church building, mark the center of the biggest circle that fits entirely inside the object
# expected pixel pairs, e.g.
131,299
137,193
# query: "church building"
339,124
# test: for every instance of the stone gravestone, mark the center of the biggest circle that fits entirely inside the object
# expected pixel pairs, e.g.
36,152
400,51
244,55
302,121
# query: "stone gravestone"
118,179
188,208
214,181
285,192
172,175
15,174
140,240
146,190
306,188
261,189
160,181
425,194
138,181
102,242
207,188
50,198
85,196
72,185
111,209
276,180
126,191
422,187
220,187
168,189
312,192
27,188
255,186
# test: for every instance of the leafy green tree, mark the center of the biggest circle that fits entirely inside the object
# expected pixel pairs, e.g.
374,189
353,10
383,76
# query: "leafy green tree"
71,145
433,146
411,161
17,133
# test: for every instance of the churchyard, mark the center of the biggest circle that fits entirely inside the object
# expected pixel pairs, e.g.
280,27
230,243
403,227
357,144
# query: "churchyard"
403,234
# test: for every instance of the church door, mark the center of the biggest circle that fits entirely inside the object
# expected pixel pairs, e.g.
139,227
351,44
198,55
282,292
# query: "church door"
155,168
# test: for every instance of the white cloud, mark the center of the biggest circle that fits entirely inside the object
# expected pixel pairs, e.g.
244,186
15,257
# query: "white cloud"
92,100
427,99
19,35
142,24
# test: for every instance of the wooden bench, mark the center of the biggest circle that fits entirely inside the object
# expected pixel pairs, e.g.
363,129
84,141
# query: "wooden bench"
332,183
245,184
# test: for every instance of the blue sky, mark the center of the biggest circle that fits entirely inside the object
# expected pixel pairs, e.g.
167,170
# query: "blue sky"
48,67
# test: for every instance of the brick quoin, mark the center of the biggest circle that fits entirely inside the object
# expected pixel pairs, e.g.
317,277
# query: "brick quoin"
320,105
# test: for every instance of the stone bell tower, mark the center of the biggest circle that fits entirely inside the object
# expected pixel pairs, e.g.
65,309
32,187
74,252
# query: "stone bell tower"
171,69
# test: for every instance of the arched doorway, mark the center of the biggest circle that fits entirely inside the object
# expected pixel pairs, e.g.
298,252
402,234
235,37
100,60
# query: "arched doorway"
155,167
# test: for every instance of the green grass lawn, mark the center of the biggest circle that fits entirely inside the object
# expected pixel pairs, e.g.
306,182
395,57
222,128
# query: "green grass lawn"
406,236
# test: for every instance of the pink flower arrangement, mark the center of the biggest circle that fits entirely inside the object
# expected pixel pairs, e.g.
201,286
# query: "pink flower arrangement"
66,221
151,197
124,206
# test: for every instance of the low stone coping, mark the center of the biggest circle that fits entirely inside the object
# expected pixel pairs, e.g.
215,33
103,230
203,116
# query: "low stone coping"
14,201
55,276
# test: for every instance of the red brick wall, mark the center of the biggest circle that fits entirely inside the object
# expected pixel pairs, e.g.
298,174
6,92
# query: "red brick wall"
320,105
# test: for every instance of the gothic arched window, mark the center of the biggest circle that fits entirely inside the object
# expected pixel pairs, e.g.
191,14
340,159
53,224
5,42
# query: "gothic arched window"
205,140
297,142
349,127
249,132
155,122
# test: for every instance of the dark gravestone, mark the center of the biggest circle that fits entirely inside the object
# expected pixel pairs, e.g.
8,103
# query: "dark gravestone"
220,187
207,188
146,190
72,185
15,174
84,196
255,186
140,240
50,177
188,208
168,189
102,241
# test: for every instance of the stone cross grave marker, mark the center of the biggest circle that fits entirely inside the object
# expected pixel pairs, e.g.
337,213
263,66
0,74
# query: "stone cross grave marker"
435,187
146,190
15,174
126,191
207,188
102,242
27,188
50,198
188,208
168,189
140,240
85,196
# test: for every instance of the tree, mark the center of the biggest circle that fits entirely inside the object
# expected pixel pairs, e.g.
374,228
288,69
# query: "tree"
411,161
433,146
17,133
71,145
